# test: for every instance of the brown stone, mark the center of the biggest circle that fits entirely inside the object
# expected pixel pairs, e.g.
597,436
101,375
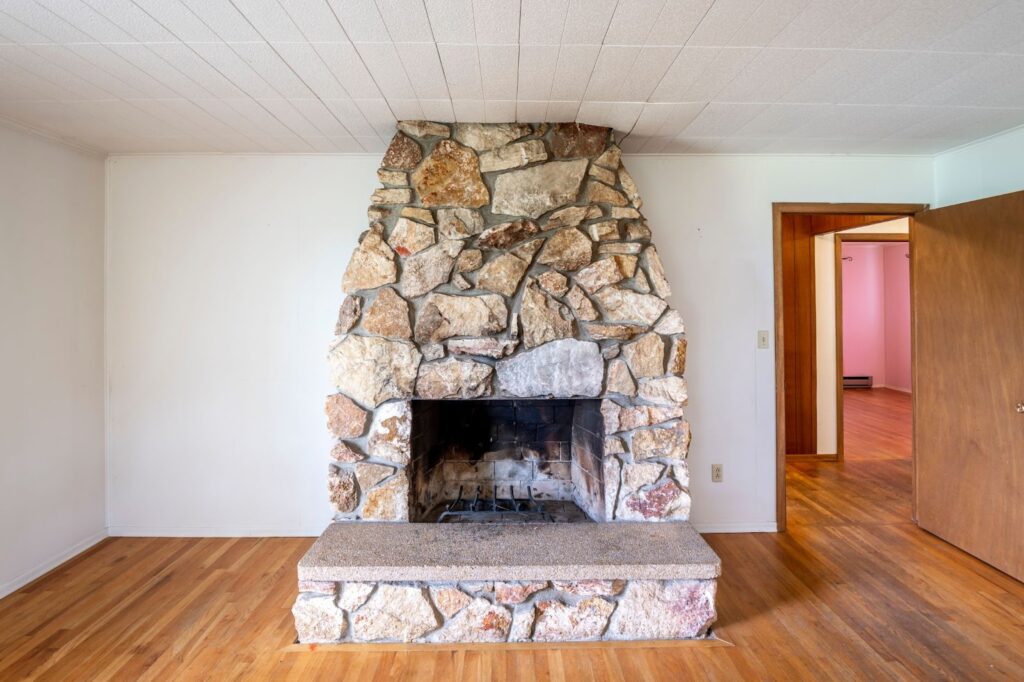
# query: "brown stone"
619,379
591,588
369,475
450,176
624,212
671,442
410,237
517,593
395,613
454,379
375,213
581,305
403,153
506,234
624,305
544,319
610,158
638,230
318,619
354,595
388,501
432,351
555,283
538,189
645,355
372,265
578,139
371,370
620,248
656,272
348,314
600,193
664,501
469,260
485,136
677,357
388,315
341,488
664,390
671,609
445,316
459,223
345,419
629,187
390,177
488,347
424,129
343,452
449,600
636,476
606,271
670,323
567,250
568,217
527,250
618,332
480,621
513,156
557,622
422,215
390,436
391,195
603,231
503,274
430,268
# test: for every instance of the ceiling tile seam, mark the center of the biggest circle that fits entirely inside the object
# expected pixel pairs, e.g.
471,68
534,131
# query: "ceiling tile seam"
594,67
444,75
558,56
479,63
633,64
391,42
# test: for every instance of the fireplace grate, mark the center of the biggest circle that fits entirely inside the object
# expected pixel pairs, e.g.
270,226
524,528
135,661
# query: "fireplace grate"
495,509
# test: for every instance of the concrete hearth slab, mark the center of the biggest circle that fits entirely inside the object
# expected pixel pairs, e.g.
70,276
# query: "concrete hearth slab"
533,551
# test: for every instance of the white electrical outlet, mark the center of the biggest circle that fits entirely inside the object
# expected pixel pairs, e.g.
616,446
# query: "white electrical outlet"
716,473
762,338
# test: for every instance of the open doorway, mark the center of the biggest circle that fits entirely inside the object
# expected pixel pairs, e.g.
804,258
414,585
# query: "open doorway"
810,405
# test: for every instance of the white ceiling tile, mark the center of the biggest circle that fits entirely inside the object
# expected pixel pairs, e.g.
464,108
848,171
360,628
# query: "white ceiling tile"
379,115
541,21
996,30
773,73
572,73
348,111
562,111
265,61
307,64
916,74
499,111
223,19
347,66
648,69
496,21
285,111
437,109
469,110
168,73
33,61
617,115
767,21
531,110
315,19
200,69
781,120
406,109
255,115
386,68
613,64
406,20
132,19
114,64
843,72
374,144
14,31
178,19
462,71
88,21
423,65
322,117
722,23
451,21
719,119
226,61
666,119
587,21
916,25
499,71
62,57
699,73
536,71
361,20
677,21
632,21
42,21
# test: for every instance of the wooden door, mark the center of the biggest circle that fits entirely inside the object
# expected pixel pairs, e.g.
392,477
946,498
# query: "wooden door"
967,274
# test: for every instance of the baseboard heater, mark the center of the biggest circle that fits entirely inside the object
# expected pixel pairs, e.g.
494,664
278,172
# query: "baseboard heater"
858,382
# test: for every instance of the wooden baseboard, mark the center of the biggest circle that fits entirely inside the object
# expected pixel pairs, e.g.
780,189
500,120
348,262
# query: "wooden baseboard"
813,458
351,647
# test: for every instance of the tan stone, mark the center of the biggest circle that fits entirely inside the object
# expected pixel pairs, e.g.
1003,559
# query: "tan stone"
318,619
469,260
503,274
391,195
480,621
640,282
388,315
677,357
403,154
591,588
665,501
485,136
670,323
522,624
389,501
517,593
619,379
606,271
600,193
372,265
610,158
449,600
395,613
656,272
410,237
348,314
629,187
422,215
568,250
424,129
527,250
390,177
553,282
538,189
450,176
488,347
628,418
429,268
459,223
620,249
341,488
444,316
460,282
567,217
603,174
354,595
673,609
506,234
671,442
375,213
432,351
581,305
391,432
344,452
664,390
369,475
645,355
543,318
371,370
603,231
638,230
624,305
617,332
513,156
454,379
611,470
610,351
624,212
578,139
636,476
557,622
345,419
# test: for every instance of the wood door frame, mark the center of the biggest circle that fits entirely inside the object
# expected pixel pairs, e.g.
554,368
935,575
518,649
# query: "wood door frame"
778,209
840,238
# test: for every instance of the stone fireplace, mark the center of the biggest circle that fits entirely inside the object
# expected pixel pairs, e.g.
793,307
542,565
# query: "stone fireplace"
505,359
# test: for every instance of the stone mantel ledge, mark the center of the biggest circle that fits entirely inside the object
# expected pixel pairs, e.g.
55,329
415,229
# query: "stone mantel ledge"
353,551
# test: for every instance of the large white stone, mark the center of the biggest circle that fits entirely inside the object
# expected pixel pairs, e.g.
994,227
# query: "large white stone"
391,432
536,190
395,613
480,621
318,619
371,370
674,609
558,622
444,316
560,369
454,379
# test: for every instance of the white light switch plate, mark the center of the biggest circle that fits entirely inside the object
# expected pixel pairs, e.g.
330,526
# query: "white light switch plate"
762,338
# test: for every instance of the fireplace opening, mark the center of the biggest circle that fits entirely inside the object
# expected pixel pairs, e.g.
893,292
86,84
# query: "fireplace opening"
506,461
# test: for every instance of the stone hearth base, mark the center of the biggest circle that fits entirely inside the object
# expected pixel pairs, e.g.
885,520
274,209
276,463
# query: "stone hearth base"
446,583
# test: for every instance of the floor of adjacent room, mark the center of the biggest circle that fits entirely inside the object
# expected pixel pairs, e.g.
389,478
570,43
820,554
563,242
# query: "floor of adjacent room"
853,589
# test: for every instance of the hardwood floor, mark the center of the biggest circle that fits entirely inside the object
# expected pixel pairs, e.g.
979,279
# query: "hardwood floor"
854,590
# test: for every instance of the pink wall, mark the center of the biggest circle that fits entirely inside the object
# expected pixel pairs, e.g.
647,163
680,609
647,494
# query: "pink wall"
876,313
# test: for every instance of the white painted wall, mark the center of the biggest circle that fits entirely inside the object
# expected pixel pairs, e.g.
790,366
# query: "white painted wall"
983,169
223,288
51,355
